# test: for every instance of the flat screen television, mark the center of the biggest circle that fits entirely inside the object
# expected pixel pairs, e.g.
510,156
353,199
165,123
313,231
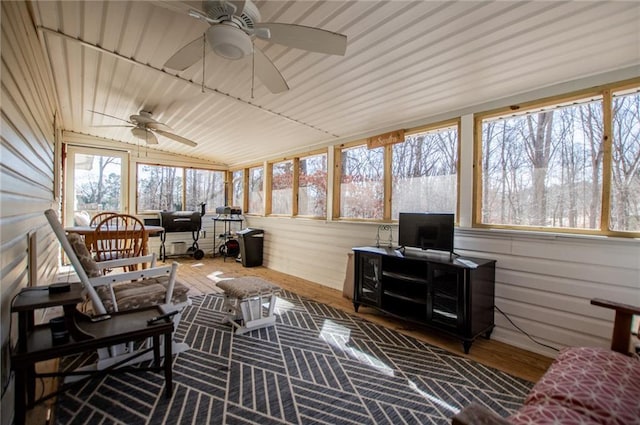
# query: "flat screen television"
427,231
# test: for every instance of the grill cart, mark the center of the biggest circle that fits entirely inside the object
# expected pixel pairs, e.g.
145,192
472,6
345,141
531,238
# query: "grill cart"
182,221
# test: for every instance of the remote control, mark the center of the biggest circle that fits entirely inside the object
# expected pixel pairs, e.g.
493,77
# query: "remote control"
95,319
161,317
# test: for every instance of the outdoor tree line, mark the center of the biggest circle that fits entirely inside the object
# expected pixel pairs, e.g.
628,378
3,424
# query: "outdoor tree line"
423,166
101,190
545,169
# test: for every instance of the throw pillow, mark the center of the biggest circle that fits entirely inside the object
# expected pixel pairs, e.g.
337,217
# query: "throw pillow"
88,263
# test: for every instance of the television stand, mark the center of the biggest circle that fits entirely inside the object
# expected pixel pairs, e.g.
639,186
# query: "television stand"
450,295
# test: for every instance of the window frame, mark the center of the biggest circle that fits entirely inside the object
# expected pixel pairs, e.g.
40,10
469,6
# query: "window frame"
387,173
606,92
265,193
183,197
269,185
245,186
296,184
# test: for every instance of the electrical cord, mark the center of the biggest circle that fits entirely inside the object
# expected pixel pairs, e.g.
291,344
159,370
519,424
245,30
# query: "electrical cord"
5,385
523,332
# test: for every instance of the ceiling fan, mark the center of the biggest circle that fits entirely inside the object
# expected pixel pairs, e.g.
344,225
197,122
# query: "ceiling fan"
233,27
144,127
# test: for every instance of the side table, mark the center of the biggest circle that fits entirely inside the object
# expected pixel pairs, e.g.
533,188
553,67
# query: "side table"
35,342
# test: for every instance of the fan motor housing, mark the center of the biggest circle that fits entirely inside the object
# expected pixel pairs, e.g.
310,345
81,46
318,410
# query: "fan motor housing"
215,9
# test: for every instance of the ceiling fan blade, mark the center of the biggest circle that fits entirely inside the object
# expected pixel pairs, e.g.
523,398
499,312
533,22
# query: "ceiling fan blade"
110,116
151,138
176,138
111,126
155,125
186,56
267,72
306,38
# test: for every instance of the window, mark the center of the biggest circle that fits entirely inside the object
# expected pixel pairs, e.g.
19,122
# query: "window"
256,190
543,167
282,187
362,182
94,183
163,188
159,188
204,186
296,186
237,178
402,171
312,186
625,169
425,164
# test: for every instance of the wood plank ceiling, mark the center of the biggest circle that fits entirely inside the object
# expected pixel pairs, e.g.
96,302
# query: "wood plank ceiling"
405,61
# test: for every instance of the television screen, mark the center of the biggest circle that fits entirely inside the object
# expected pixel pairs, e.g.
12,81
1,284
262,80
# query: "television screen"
426,231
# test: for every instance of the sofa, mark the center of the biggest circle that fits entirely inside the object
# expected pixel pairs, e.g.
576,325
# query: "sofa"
584,385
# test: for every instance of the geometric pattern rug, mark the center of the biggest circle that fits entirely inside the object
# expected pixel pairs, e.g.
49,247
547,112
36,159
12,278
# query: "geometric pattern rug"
317,365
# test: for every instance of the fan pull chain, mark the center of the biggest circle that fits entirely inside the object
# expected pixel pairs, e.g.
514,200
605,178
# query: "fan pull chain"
253,66
204,45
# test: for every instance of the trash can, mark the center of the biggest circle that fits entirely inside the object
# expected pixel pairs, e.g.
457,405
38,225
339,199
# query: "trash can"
251,243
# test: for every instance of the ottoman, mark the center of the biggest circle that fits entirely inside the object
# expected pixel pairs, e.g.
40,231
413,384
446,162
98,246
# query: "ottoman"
244,302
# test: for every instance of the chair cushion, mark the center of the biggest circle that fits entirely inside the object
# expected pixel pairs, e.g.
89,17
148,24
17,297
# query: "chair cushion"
88,263
246,287
141,294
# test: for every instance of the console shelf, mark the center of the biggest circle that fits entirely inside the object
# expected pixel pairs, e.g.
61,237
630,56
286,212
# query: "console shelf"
435,291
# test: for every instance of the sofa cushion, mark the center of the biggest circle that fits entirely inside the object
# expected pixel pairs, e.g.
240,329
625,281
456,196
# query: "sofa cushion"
601,385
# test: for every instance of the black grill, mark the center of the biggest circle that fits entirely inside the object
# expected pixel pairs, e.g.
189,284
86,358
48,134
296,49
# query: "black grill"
182,221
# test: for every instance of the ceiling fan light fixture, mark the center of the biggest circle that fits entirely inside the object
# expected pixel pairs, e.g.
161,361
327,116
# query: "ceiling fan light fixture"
229,41
140,133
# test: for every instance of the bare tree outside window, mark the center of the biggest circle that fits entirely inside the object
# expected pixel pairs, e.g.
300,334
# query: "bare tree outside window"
256,190
204,186
362,183
97,183
625,171
237,184
424,172
312,186
544,168
282,187
159,188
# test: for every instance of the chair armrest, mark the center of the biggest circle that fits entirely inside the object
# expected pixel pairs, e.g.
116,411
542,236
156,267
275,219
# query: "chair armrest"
621,324
475,414
137,274
121,262
618,307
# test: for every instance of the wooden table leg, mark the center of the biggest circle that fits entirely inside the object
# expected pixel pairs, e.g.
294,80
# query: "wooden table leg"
20,402
156,351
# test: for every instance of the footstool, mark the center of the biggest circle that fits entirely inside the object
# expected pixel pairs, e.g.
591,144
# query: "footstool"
243,301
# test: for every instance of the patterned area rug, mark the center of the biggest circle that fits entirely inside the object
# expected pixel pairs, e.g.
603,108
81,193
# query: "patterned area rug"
317,365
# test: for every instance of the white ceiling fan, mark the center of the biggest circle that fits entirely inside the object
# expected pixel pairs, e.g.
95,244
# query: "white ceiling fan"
144,127
234,26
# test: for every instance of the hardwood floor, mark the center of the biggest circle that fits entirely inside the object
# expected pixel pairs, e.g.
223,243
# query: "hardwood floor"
201,277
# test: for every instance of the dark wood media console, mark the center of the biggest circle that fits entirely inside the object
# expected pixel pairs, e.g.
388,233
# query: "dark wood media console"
432,290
